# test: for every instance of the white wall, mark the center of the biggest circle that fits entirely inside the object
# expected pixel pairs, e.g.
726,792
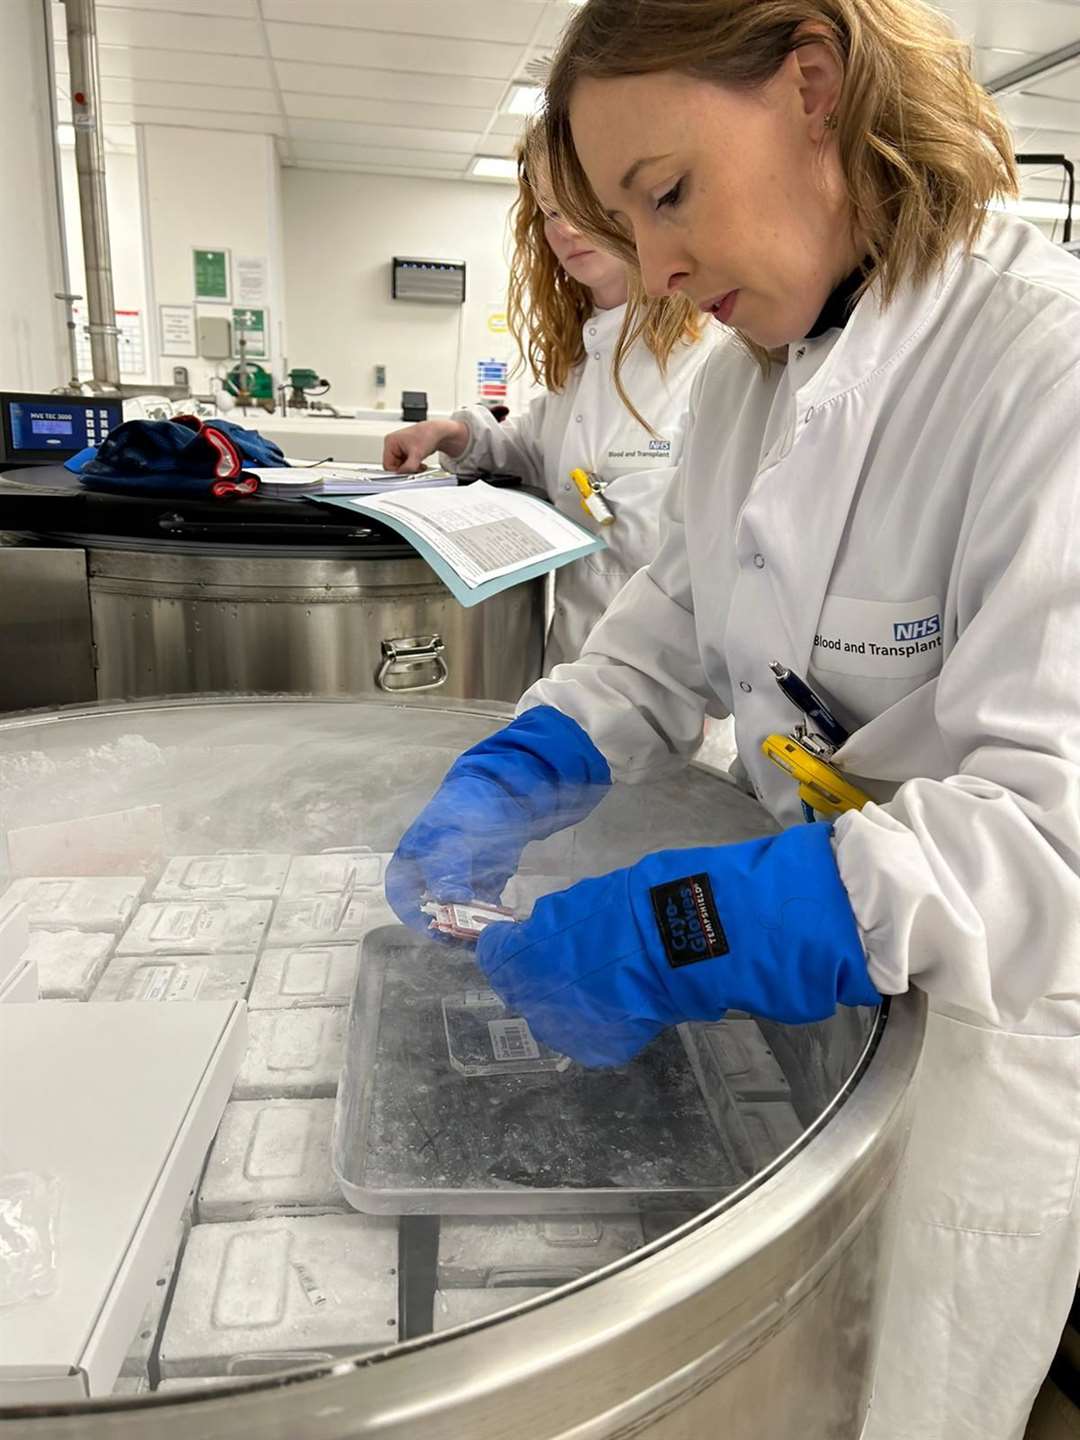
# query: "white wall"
33,347
214,190
125,240
341,231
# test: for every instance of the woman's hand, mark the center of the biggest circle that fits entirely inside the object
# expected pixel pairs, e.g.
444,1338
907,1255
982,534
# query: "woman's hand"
406,450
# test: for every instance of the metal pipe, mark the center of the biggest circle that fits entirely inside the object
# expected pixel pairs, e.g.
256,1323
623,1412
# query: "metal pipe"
1070,181
93,207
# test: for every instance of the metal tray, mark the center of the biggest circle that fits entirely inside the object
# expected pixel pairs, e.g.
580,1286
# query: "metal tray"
413,1135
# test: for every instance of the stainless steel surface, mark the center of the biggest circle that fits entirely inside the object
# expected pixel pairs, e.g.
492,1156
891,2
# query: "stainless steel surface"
46,654
170,624
755,1321
93,205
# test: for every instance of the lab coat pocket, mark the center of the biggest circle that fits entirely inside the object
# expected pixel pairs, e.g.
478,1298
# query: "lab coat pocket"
996,1144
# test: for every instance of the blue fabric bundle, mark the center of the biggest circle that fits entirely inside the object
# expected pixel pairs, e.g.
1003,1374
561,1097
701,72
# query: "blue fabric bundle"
184,455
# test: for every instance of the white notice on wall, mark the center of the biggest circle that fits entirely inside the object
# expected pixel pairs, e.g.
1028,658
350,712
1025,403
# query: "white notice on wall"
251,279
130,346
178,329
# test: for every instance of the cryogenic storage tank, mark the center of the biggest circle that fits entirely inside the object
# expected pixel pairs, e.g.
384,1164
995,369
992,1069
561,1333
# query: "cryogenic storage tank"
414,1220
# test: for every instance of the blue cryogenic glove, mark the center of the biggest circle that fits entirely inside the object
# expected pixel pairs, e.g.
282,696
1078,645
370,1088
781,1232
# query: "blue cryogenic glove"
765,926
540,774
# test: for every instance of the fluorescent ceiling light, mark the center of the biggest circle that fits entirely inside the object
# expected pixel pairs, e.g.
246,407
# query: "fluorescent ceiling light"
493,167
524,99
1036,209
1027,76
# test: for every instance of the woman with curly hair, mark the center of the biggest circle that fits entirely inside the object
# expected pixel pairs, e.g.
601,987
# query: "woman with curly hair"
880,491
567,303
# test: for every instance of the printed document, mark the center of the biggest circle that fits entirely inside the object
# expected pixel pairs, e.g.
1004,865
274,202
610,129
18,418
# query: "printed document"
479,539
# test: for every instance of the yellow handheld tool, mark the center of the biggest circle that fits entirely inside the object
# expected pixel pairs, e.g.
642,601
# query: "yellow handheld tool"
821,786
592,502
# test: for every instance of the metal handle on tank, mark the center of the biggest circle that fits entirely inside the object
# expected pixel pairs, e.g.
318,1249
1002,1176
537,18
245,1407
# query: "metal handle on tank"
408,653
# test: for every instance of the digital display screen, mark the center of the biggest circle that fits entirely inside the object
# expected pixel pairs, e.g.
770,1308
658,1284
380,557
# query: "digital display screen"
55,423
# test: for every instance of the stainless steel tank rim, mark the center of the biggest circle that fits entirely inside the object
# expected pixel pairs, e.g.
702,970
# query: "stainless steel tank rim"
789,1185
151,545
815,1192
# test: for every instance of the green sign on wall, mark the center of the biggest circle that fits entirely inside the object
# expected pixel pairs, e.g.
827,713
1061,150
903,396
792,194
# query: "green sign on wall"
251,323
211,274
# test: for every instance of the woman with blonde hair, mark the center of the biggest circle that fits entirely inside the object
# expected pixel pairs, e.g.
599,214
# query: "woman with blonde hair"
567,304
881,492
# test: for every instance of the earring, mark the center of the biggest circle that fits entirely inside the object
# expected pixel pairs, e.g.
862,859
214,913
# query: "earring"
832,120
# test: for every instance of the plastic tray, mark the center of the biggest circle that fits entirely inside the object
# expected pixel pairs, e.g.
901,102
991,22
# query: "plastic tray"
415,1136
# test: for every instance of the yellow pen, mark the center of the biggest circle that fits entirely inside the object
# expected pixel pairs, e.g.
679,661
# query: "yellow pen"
592,502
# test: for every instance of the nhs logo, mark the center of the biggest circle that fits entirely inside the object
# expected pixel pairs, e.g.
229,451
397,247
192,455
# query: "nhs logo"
660,447
917,629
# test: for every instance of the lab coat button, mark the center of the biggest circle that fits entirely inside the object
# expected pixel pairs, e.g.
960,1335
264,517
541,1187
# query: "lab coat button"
596,355
592,329
759,561
578,419
745,687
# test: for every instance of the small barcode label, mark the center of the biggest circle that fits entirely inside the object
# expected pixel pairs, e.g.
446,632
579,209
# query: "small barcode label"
317,1296
512,1040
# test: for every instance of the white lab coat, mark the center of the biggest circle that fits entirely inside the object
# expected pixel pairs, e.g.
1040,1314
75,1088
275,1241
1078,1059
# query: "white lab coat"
920,470
587,426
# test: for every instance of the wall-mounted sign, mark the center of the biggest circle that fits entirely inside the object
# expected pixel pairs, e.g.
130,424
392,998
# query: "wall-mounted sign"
496,322
211,274
177,323
491,380
251,275
252,323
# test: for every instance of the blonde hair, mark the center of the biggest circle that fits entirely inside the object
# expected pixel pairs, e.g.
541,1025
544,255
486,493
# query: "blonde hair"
546,308
922,146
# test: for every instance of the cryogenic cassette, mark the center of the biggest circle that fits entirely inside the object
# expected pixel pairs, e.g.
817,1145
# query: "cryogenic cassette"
244,875
69,962
84,902
333,872
770,1127
327,919
484,1250
741,1054
484,1038
304,975
260,1295
182,927
142,1353
458,1307
176,977
292,1054
270,1156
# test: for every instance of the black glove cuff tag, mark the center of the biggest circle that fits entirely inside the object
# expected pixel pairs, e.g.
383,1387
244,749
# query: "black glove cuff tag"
688,922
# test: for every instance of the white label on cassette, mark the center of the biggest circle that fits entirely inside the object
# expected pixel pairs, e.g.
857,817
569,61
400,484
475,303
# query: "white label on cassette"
176,922
205,874
480,999
154,982
187,982
512,1040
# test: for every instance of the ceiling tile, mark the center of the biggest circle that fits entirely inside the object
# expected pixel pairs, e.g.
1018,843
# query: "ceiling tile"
1024,110
401,137
416,55
1065,86
187,101
389,85
508,21
366,155
167,30
197,120
385,112
230,9
241,72
1038,26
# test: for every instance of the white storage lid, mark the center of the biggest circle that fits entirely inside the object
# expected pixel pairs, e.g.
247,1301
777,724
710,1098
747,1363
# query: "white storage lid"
119,1104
